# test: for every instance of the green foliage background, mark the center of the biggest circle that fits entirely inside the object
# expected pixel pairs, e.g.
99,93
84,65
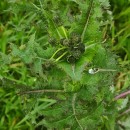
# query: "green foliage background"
39,52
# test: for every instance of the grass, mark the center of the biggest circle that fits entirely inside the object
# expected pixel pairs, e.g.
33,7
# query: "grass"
121,39
121,46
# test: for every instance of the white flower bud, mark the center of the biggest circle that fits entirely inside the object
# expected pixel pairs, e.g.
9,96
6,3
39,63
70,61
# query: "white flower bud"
91,71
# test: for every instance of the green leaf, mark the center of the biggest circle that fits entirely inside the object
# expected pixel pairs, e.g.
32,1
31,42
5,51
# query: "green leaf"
75,71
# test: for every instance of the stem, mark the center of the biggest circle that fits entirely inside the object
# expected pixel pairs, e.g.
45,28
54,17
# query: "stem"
64,32
88,17
61,56
74,112
106,70
42,91
122,95
125,112
57,52
73,69
57,30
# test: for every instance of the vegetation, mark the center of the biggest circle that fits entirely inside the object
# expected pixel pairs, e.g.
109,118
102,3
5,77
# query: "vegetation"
64,65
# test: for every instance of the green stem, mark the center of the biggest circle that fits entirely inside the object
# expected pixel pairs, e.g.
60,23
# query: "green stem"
57,52
42,91
88,17
74,111
57,30
64,31
61,56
